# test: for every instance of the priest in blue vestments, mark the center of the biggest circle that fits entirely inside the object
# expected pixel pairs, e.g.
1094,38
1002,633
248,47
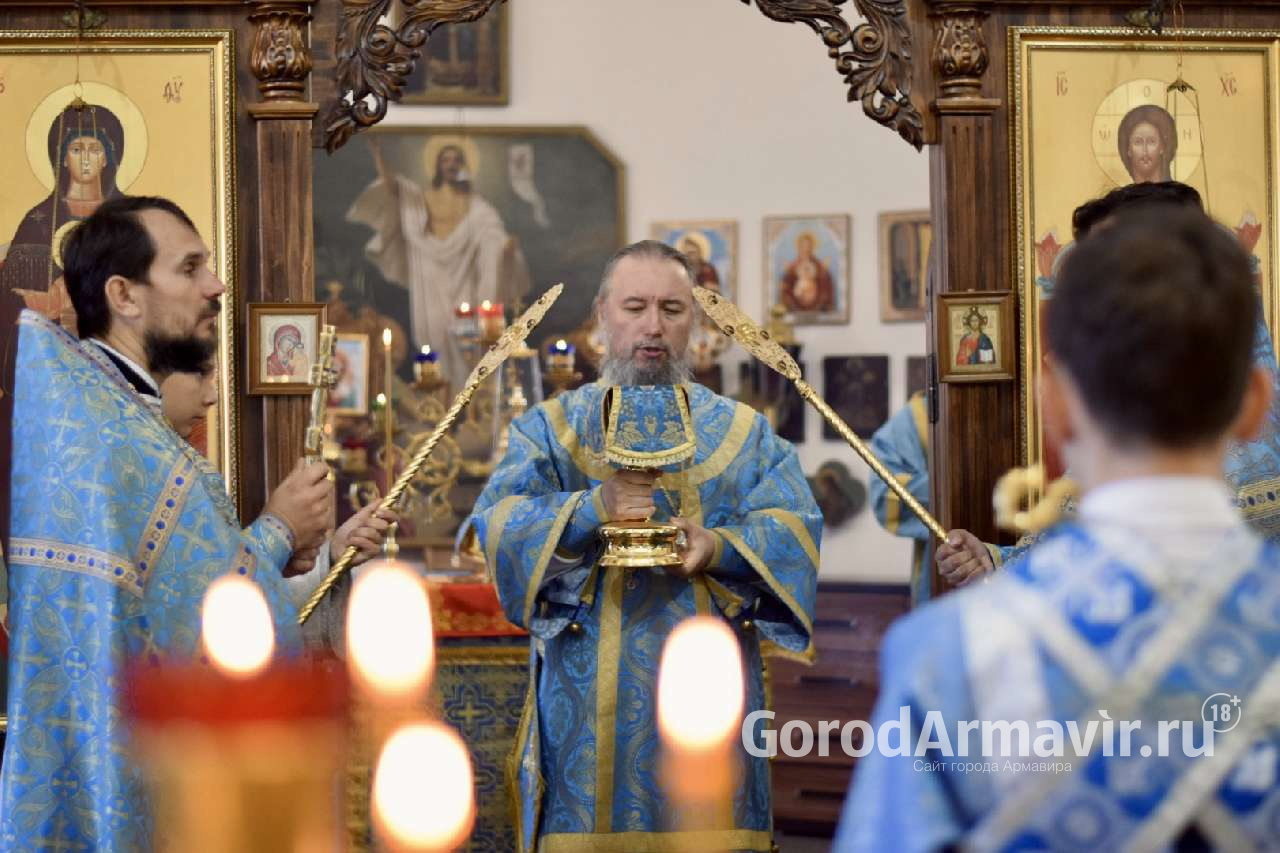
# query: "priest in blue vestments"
1117,687
902,445
585,771
1252,468
118,525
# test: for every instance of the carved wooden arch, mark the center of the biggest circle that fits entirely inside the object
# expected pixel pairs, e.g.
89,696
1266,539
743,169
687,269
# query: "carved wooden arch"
374,61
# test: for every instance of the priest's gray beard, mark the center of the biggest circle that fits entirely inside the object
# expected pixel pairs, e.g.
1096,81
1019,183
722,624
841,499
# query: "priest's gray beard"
624,370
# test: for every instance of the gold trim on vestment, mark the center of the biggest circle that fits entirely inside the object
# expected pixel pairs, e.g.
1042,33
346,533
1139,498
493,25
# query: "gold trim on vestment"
161,523
497,522
778,589
608,662
736,436
558,525
657,842
515,796
78,559
591,464
730,602
893,505
798,530
921,418
701,595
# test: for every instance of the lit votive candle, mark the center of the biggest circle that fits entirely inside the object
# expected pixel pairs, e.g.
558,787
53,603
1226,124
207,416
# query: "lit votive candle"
426,364
464,321
423,789
390,647
700,701
240,752
560,355
493,320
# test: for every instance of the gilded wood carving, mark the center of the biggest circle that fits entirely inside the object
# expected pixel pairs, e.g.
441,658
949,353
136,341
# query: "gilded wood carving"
874,58
374,60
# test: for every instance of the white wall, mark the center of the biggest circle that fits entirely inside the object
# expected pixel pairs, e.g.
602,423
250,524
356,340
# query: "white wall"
718,112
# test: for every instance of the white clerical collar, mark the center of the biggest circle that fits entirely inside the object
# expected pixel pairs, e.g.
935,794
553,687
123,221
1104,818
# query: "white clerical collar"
133,365
1173,501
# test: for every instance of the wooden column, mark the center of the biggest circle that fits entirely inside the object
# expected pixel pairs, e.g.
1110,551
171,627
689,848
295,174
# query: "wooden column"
280,58
974,440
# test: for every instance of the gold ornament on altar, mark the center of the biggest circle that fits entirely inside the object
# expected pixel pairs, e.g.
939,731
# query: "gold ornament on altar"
1024,484
648,428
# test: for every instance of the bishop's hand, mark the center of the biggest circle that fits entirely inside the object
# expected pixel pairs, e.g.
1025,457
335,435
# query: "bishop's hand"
700,545
628,495
963,558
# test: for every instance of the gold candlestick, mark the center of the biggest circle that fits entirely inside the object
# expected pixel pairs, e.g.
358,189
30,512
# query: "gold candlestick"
733,322
508,343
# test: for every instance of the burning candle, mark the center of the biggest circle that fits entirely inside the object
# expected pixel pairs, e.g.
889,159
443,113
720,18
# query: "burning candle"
240,754
493,320
236,627
423,789
560,355
390,646
464,323
700,700
426,367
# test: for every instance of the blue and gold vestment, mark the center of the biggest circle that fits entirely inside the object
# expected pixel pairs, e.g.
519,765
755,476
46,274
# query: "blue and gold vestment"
1110,622
902,445
585,770
118,528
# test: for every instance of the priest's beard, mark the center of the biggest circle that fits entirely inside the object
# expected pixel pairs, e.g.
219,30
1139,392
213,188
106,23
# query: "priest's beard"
168,354
625,370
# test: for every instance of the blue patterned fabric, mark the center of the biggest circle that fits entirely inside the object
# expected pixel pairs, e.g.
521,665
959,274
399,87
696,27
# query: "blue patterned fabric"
118,527
586,764
1089,621
902,445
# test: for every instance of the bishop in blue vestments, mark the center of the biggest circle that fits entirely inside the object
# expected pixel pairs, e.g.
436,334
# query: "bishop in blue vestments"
585,772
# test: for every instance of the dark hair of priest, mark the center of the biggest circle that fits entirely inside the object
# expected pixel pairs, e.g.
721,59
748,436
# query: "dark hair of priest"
1153,319
1088,215
112,241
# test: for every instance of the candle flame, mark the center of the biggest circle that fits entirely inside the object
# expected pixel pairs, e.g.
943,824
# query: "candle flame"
426,349
562,344
236,627
464,307
381,399
386,337
389,639
486,305
700,685
424,788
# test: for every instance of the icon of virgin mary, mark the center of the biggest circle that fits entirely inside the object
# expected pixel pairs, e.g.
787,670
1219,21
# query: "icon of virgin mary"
85,148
